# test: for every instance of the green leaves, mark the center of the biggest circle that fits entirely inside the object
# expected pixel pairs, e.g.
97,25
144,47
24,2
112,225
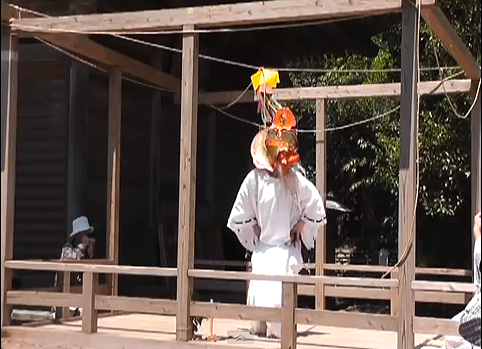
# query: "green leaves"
363,161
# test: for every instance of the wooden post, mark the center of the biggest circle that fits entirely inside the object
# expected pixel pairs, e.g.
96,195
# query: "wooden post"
187,183
113,170
321,185
9,137
408,173
288,319
89,314
394,295
66,286
475,157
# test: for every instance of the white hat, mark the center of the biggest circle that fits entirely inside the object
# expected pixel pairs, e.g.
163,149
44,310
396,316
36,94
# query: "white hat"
81,224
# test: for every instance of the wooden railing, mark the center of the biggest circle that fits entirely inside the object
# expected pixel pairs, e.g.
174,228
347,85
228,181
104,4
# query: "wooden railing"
424,296
289,314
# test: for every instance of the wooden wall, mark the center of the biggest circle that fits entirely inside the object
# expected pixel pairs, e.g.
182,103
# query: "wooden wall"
40,217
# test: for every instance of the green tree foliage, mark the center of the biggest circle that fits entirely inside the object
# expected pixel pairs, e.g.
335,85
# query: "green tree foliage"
363,161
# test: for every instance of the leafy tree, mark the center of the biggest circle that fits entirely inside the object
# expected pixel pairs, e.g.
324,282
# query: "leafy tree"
363,161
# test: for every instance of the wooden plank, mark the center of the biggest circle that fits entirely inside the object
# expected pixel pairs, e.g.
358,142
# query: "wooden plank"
321,186
347,292
9,136
113,170
440,297
357,292
419,285
187,183
346,319
135,304
35,298
235,311
99,268
408,174
443,271
384,294
426,325
394,295
300,279
212,16
89,313
289,300
357,268
80,261
66,288
383,269
345,92
452,42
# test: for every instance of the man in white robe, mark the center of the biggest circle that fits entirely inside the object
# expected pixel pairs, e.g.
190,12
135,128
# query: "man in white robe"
274,212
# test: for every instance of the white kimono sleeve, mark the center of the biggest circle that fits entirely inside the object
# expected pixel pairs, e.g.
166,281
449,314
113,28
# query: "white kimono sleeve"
312,211
243,216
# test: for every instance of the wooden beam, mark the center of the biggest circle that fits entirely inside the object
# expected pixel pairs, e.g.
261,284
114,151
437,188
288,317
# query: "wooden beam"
336,92
66,288
427,325
37,298
289,301
345,319
440,297
300,279
113,170
465,287
384,294
217,15
9,151
320,258
238,311
347,292
408,175
90,49
136,305
86,267
437,21
187,183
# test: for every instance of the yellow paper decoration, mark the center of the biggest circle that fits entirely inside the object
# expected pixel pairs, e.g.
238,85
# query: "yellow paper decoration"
265,77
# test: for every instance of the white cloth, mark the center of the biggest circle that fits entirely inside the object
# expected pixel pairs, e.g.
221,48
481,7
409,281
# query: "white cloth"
267,201
457,342
477,261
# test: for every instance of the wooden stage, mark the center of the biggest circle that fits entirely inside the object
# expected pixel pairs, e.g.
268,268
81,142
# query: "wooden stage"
130,331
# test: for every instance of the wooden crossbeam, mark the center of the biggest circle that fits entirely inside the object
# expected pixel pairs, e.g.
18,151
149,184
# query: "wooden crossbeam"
90,49
336,92
217,15
451,40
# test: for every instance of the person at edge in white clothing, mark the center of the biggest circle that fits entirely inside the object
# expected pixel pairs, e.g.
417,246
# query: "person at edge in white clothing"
457,342
276,209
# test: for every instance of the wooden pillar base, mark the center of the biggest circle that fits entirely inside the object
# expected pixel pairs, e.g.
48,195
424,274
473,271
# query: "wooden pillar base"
288,317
